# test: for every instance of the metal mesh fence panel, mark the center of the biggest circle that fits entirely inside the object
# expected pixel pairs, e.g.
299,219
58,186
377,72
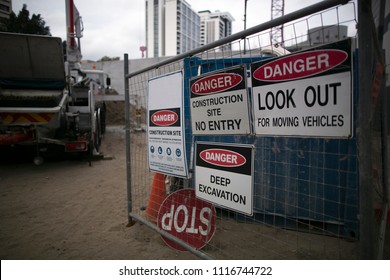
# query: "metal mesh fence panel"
305,196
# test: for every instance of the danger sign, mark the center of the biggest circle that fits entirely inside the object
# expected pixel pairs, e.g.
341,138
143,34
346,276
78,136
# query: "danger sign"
219,103
164,118
165,126
223,175
188,218
305,94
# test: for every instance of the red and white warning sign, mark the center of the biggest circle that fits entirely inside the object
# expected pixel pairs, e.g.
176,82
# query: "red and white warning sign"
223,175
165,126
188,218
164,118
219,103
305,94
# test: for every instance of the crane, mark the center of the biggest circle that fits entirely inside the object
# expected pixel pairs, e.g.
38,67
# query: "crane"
277,10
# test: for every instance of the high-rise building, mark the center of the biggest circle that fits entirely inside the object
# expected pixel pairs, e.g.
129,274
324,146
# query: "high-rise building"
5,8
172,27
214,26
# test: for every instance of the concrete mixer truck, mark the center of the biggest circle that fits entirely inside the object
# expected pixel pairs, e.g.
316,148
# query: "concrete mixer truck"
46,97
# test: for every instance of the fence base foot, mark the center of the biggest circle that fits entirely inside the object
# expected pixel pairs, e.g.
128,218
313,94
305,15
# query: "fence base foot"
131,223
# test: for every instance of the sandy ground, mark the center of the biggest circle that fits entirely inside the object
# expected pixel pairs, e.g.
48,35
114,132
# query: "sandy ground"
66,209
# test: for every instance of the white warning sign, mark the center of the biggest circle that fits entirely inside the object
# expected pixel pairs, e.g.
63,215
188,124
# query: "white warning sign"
219,103
305,94
224,175
165,128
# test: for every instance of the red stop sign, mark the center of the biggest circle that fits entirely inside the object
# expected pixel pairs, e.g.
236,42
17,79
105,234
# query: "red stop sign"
188,218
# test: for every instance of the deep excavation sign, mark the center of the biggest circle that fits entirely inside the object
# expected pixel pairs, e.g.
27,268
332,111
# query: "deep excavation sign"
223,175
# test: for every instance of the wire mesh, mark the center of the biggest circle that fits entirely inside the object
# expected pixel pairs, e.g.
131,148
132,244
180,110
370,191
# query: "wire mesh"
305,189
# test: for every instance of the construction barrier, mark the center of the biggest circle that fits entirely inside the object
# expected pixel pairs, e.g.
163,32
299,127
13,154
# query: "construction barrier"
276,138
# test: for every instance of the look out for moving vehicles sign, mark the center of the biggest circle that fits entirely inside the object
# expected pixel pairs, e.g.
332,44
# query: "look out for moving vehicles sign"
219,103
305,94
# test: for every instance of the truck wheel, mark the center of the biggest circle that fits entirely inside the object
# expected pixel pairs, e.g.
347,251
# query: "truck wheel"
103,118
99,122
38,160
97,139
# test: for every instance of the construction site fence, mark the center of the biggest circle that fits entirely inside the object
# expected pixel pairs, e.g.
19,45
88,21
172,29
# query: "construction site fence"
313,195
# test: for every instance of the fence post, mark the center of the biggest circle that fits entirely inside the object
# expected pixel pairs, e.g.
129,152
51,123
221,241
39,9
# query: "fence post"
364,131
384,130
127,132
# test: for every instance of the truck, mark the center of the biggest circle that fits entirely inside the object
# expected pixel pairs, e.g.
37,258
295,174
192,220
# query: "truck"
46,97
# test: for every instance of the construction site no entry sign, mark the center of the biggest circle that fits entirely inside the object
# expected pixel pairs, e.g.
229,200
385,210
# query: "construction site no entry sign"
165,128
219,103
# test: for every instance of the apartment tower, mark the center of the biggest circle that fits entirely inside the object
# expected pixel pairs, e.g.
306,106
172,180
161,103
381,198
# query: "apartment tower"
214,26
172,27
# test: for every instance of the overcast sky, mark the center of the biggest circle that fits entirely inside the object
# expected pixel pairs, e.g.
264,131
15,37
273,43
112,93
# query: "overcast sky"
115,27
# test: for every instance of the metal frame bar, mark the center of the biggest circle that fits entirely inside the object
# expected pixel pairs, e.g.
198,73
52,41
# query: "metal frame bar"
323,5
127,135
171,237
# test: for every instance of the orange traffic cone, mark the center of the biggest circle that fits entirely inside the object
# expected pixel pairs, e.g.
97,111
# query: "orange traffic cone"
156,197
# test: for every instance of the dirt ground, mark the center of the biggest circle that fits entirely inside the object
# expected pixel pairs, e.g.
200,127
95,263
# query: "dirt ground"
66,209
